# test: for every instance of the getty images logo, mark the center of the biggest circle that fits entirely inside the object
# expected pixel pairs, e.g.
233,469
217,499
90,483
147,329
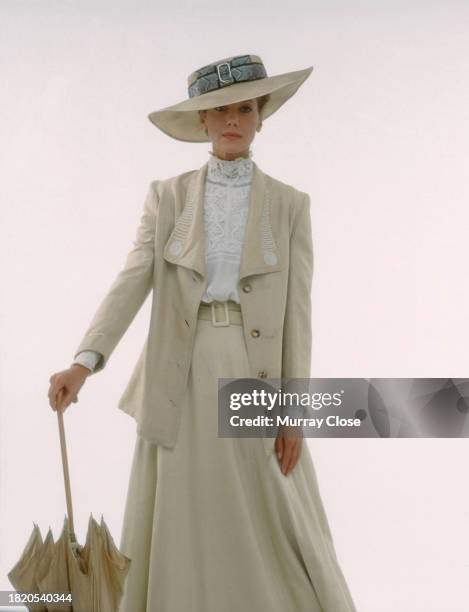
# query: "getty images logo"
278,399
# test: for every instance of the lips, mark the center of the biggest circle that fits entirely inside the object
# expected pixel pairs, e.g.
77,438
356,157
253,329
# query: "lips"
231,135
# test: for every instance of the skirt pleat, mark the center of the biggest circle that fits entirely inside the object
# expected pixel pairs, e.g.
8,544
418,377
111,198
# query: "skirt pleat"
212,524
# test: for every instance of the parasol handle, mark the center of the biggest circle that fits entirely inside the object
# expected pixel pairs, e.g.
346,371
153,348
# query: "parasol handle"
63,448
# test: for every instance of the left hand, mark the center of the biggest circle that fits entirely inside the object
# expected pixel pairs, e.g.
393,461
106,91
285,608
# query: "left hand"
288,448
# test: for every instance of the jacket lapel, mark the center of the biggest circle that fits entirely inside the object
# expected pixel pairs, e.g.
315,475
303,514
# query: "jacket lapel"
186,243
260,253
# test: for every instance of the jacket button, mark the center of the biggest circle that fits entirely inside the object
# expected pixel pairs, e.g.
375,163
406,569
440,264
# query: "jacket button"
175,247
255,333
270,258
262,374
247,288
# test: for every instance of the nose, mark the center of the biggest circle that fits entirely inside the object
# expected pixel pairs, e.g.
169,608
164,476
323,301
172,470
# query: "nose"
232,118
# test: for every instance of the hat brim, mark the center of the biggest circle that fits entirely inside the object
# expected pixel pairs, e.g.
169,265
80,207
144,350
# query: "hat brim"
181,121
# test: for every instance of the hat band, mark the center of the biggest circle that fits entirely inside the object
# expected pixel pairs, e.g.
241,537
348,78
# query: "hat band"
216,76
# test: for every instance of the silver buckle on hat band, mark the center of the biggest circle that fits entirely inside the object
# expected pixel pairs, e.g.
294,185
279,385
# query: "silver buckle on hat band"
224,73
226,321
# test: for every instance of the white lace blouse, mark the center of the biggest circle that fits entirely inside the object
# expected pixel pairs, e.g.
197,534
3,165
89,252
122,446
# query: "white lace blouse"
226,206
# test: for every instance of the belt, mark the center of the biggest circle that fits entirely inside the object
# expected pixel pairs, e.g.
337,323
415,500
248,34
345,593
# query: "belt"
221,314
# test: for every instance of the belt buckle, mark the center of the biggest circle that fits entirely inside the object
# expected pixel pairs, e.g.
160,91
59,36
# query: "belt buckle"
224,73
226,321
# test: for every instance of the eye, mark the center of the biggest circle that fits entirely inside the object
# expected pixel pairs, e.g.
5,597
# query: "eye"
246,106
220,108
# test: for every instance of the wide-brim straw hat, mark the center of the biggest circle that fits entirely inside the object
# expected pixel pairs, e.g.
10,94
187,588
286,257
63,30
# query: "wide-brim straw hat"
226,81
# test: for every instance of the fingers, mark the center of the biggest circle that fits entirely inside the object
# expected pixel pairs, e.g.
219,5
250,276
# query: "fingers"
60,402
56,397
279,447
53,390
64,398
285,450
49,393
287,457
60,395
291,454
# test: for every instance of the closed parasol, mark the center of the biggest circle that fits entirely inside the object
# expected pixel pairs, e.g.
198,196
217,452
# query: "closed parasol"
92,575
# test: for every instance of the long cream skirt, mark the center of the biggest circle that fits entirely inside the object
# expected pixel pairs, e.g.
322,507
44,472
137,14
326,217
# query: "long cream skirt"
212,525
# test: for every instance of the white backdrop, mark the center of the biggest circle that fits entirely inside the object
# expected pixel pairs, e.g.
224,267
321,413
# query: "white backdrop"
378,135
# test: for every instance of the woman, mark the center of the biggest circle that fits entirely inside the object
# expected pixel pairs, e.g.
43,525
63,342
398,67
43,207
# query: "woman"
217,523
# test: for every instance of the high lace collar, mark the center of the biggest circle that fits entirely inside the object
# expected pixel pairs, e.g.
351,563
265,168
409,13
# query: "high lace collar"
229,170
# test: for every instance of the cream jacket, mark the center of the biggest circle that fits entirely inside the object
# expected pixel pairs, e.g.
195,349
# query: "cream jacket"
168,259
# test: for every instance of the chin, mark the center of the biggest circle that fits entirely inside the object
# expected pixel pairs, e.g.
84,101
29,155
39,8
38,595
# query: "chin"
234,146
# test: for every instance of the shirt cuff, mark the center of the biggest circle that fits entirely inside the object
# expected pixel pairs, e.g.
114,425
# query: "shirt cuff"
89,359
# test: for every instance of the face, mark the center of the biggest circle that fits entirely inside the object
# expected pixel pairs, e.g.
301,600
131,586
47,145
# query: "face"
240,118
